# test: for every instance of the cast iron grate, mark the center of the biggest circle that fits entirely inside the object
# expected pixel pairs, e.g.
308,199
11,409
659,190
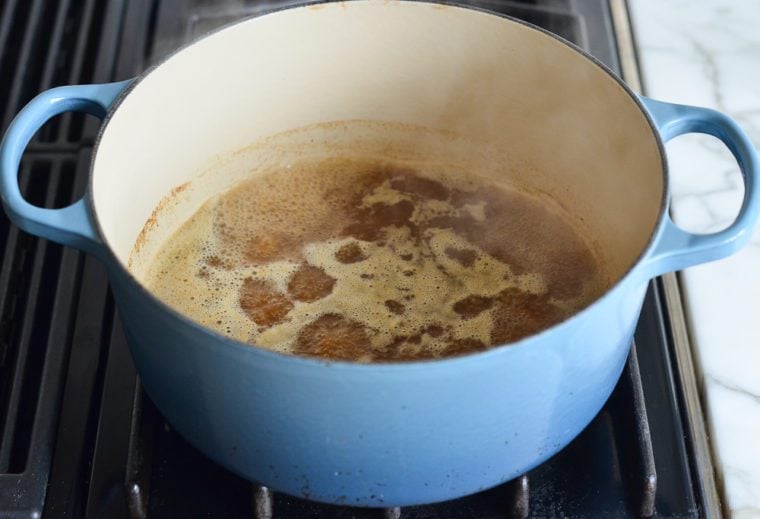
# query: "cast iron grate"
46,312
79,438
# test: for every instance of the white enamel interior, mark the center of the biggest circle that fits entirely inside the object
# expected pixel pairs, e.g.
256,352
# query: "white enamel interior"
562,123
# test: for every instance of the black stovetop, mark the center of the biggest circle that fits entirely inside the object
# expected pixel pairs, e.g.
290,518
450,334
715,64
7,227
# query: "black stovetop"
78,438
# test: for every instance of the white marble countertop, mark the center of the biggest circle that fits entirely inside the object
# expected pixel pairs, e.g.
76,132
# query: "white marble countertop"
708,54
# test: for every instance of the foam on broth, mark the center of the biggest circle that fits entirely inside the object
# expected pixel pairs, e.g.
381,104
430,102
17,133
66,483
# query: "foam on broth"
377,257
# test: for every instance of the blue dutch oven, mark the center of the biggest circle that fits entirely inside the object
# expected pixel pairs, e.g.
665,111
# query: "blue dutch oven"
381,434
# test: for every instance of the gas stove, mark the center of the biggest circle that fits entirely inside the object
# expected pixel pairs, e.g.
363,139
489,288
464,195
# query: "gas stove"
78,438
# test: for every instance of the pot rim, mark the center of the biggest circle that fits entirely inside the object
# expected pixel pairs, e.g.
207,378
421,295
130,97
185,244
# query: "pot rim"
253,349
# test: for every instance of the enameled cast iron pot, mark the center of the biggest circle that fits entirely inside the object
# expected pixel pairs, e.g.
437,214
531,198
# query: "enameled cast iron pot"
393,434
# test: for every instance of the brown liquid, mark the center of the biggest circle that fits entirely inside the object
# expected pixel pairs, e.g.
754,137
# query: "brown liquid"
365,260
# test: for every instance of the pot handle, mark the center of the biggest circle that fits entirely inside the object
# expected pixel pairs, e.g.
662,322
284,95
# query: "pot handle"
675,248
71,225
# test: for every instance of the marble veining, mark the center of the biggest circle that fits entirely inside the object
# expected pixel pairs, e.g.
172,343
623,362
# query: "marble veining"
708,54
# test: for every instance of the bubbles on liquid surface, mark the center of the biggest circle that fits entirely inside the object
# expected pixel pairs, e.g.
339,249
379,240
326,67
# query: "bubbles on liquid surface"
371,260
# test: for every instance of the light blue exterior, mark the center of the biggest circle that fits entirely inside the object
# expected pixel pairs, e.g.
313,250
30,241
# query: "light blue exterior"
676,249
71,225
380,435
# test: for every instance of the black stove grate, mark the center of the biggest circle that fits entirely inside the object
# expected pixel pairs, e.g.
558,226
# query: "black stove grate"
77,436
52,299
